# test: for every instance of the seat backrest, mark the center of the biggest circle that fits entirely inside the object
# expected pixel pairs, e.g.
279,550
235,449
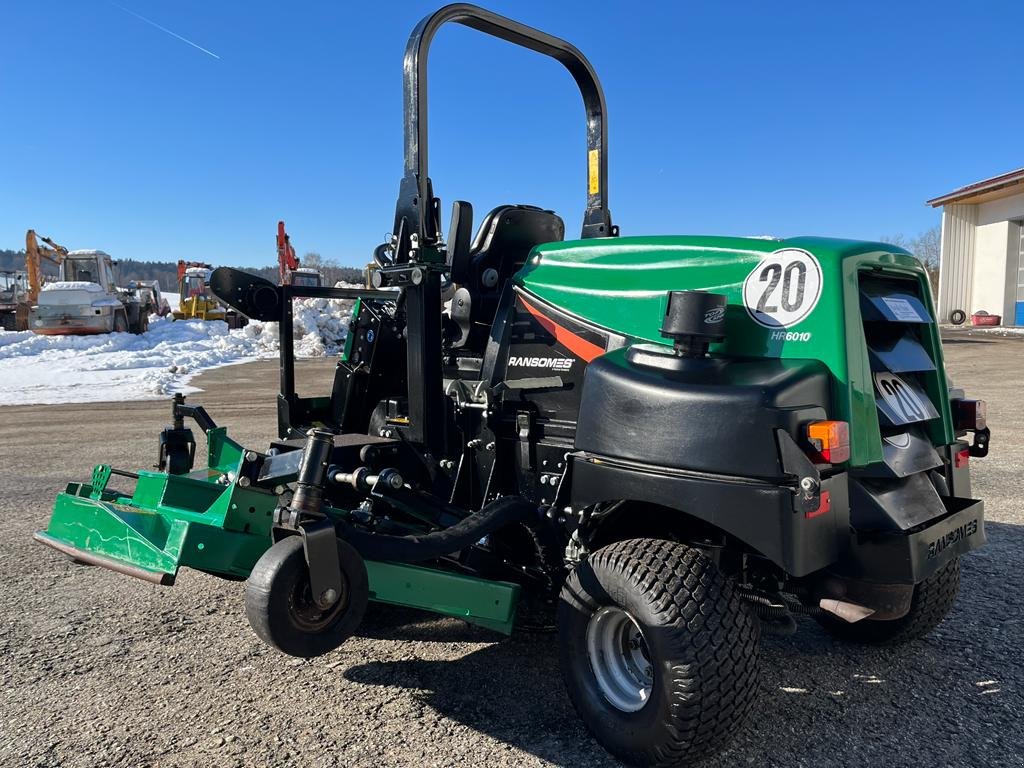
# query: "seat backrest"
500,249
505,239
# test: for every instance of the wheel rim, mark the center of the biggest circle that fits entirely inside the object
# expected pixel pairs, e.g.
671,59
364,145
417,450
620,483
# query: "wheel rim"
620,659
305,612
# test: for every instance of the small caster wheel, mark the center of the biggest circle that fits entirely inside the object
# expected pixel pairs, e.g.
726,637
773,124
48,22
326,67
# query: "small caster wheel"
280,607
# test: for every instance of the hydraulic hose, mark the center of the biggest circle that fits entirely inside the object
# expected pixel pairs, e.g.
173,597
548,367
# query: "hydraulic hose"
430,546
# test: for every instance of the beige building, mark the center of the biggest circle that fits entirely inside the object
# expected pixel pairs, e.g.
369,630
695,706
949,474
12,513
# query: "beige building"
982,262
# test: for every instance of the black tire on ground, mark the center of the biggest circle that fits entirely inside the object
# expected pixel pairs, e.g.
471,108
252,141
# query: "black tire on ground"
120,322
694,641
280,606
933,599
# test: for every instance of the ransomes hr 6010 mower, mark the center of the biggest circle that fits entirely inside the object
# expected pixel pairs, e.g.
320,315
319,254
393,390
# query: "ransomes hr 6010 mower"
664,445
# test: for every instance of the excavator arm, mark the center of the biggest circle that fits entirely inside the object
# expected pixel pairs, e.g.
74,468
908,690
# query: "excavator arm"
287,261
34,254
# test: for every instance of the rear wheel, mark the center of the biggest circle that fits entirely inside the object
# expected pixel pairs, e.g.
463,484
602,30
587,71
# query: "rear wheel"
280,607
933,598
658,653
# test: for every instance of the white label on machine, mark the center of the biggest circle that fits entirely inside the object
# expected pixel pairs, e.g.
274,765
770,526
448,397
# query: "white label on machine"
902,310
783,288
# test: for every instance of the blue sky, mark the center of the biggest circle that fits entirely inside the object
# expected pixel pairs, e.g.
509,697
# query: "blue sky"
740,118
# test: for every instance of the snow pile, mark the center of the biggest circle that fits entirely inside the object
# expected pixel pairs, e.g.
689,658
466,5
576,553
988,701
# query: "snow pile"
71,285
995,330
121,366
321,325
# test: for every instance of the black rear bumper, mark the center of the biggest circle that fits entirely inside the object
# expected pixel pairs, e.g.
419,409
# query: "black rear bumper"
909,557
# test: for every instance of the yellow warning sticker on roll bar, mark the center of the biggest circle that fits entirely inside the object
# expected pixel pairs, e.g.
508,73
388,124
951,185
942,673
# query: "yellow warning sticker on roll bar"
593,170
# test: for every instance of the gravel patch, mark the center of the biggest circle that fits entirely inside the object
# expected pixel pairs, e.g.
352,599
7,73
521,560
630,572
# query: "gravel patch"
100,670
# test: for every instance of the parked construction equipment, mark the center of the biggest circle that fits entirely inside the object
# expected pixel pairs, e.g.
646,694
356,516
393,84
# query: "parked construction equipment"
14,306
84,300
195,302
587,438
289,271
148,294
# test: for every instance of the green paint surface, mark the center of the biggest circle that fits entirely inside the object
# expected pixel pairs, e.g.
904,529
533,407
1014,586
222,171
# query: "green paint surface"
622,284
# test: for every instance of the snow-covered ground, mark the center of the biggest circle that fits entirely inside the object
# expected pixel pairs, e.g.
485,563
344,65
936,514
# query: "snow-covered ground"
121,366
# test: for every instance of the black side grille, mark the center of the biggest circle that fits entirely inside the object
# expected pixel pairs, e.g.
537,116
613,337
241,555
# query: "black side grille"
896,325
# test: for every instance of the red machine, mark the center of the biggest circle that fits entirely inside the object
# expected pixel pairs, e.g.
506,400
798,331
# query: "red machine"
287,261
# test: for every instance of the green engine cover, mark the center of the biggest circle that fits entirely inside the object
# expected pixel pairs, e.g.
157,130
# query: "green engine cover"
795,298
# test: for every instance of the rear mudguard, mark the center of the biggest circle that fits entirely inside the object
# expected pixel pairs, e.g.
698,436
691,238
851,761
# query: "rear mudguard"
763,516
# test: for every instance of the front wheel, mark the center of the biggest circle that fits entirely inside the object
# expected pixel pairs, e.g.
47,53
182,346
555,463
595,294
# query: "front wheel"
933,598
280,607
658,653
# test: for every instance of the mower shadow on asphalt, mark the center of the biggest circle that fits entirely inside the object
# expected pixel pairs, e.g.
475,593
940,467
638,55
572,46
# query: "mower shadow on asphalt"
956,675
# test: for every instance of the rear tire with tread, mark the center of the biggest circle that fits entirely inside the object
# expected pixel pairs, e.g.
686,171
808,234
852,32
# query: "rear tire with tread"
699,637
933,598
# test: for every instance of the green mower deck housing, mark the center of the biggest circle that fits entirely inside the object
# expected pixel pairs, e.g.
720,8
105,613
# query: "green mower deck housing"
673,443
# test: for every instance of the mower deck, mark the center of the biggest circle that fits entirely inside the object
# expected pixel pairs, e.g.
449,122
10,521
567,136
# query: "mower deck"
204,520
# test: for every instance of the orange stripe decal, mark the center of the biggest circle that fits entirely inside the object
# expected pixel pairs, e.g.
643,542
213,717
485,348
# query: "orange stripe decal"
583,349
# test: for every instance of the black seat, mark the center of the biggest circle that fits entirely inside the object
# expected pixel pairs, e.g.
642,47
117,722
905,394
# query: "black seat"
500,249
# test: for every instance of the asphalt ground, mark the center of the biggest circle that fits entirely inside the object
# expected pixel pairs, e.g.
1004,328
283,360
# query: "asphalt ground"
97,669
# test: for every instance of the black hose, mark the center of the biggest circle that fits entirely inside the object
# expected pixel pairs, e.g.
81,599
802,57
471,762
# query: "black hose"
784,626
768,608
379,255
776,617
430,546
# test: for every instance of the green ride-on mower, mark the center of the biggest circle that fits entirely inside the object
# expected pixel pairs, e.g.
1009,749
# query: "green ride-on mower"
664,446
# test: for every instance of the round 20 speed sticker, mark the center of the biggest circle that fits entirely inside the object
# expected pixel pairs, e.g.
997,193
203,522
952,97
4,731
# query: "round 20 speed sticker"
783,288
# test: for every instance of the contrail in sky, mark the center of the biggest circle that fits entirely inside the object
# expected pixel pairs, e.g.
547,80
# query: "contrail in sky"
164,29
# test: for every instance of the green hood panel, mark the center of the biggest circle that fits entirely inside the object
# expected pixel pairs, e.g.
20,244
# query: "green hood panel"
622,284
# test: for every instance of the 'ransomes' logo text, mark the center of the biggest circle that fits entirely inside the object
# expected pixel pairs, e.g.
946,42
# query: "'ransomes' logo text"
960,533
554,363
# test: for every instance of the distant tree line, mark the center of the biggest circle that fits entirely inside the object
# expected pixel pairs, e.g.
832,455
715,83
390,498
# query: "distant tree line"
166,272
927,246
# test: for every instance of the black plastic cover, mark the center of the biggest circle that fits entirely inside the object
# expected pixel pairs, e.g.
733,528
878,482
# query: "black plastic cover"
762,515
894,505
254,296
898,352
708,414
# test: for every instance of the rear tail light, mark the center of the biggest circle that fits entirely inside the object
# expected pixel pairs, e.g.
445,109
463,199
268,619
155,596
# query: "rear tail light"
830,440
970,414
961,459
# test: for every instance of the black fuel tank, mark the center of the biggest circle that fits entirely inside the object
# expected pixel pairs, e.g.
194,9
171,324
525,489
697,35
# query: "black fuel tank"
706,414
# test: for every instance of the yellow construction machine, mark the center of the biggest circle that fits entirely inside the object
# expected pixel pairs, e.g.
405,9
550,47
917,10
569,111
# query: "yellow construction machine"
195,300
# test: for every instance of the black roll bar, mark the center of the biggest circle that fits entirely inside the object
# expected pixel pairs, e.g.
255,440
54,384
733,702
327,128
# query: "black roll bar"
415,203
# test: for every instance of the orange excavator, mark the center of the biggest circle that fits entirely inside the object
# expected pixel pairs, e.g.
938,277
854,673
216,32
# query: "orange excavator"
84,299
288,270
34,255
